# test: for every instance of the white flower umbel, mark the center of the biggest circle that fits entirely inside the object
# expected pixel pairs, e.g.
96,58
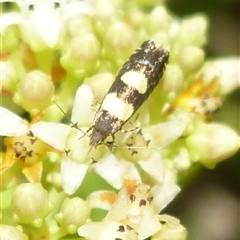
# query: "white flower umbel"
58,50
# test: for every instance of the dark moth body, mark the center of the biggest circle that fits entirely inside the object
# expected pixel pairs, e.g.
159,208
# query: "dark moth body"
132,86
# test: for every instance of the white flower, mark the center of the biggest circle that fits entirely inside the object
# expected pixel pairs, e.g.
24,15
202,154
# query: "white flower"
27,143
136,206
41,21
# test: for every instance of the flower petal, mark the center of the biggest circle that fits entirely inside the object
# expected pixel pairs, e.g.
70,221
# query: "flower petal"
110,169
163,134
152,224
115,171
106,230
230,68
38,30
163,195
120,207
154,166
72,174
90,231
11,124
54,134
48,26
82,112
33,172
101,199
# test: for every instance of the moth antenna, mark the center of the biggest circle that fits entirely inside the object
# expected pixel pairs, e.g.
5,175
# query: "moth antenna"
88,151
73,125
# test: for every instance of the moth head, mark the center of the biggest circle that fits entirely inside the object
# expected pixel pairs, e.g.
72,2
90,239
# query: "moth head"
96,138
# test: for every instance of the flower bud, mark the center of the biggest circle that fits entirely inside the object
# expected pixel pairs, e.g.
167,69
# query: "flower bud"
96,81
158,20
79,25
136,17
181,160
80,106
82,55
74,213
105,10
212,143
190,59
9,232
35,91
193,31
30,204
162,38
173,80
9,77
119,48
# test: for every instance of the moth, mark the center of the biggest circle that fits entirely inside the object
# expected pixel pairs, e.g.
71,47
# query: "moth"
133,84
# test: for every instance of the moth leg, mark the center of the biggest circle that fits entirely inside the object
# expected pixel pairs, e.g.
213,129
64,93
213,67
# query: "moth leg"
110,144
133,124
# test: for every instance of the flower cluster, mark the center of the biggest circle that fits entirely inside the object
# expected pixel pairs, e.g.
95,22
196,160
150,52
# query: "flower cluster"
58,59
